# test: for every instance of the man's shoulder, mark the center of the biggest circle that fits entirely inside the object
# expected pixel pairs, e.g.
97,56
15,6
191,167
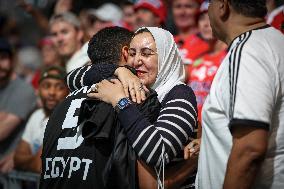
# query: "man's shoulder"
259,43
38,114
22,87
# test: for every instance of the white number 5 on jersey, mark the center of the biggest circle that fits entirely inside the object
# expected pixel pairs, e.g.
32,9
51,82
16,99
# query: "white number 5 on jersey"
70,122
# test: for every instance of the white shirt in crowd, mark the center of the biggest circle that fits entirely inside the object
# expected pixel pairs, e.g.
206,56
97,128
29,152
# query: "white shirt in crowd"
34,130
79,59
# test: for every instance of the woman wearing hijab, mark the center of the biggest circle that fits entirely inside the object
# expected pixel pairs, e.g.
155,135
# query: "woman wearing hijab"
154,55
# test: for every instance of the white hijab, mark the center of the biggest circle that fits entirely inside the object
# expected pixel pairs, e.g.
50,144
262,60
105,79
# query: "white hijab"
170,69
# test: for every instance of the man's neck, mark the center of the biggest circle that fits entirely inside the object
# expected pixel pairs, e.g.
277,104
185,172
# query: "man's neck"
240,25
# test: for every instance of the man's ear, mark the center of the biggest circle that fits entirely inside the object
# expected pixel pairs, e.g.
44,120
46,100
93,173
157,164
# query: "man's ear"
224,8
124,53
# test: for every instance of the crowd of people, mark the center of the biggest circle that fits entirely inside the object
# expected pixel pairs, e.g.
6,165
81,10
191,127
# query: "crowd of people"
146,94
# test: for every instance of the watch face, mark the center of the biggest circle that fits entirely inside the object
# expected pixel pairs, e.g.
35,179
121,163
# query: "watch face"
122,103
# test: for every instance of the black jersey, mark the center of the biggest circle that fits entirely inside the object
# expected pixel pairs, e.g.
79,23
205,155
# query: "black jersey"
71,161
67,159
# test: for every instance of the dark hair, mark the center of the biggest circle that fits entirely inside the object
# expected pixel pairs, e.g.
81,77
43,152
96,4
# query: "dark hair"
250,8
279,3
106,45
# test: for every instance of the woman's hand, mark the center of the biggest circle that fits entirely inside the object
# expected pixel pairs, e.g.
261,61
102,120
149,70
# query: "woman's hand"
192,149
108,91
132,86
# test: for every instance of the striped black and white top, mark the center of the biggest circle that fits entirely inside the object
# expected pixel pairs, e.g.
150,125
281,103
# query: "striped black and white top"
173,128
175,125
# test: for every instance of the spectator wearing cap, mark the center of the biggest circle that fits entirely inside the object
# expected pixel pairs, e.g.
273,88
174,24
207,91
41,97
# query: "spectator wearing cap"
50,57
150,13
17,100
52,90
67,36
29,61
106,15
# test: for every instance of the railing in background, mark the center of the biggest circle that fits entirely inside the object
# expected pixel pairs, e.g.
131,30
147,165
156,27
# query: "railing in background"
20,180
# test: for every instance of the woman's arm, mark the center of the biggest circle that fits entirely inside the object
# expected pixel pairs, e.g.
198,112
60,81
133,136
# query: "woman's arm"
89,74
174,176
170,133
164,139
94,73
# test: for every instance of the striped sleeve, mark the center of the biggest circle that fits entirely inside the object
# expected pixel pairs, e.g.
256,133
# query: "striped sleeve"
89,74
175,124
253,83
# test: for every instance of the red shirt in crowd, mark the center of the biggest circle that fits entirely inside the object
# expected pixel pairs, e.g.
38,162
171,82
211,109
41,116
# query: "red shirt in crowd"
276,18
201,74
191,48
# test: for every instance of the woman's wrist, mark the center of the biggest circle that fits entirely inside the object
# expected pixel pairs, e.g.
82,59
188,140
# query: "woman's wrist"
116,99
119,70
124,69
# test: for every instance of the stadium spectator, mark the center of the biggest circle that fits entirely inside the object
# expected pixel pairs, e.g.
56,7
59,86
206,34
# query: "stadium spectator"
184,17
150,13
62,6
67,36
204,68
107,15
129,16
29,60
194,45
17,100
50,57
52,90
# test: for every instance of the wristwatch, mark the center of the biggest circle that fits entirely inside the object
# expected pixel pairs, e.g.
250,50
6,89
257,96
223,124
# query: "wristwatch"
122,104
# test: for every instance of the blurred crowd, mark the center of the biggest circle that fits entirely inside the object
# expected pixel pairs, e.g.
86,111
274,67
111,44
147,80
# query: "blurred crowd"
32,72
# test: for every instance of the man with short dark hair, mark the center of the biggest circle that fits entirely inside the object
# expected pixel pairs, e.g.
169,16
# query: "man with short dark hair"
109,47
243,115
52,90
